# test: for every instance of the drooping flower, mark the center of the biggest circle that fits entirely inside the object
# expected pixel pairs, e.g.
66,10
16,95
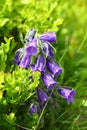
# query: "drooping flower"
53,68
30,35
48,80
18,56
31,48
42,95
67,93
46,47
25,61
48,37
39,64
35,108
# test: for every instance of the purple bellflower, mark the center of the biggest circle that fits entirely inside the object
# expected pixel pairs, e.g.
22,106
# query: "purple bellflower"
31,47
16,59
67,94
35,108
48,37
48,80
18,56
46,47
53,68
39,64
42,95
25,61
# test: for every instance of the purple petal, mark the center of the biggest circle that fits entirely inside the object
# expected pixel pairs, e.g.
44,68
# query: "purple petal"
48,37
50,54
53,68
16,59
48,80
18,55
25,61
67,93
42,95
33,109
48,50
31,48
39,64
71,96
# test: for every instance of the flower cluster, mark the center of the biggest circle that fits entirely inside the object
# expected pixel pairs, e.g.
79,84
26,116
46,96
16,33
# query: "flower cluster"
40,47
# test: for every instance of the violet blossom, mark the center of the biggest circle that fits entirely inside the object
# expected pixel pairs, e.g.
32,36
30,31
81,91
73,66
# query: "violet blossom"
43,97
31,48
48,37
25,61
48,80
53,68
48,50
67,93
39,64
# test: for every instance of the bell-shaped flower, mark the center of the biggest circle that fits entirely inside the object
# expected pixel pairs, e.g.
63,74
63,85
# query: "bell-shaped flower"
18,56
48,37
39,64
53,68
31,48
42,95
67,94
35,108
48,50
25,61
48,80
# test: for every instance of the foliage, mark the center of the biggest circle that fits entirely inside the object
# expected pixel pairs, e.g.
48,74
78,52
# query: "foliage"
15,90
68,19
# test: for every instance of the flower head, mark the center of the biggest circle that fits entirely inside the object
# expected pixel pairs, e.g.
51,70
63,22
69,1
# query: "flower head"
39,64
35,108
42,95
48,50
25,61
53,68
18,56
67,93
48,80
31,47
48,37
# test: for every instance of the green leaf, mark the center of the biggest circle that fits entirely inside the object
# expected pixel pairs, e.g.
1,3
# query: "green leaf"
84,103
3,21
1,94
18,84
58,22
10,118
1,79
6,46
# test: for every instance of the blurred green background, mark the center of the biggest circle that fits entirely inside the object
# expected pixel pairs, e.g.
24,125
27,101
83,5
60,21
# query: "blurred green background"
69,20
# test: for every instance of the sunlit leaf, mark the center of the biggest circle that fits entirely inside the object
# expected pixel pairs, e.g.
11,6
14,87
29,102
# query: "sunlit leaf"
3,21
